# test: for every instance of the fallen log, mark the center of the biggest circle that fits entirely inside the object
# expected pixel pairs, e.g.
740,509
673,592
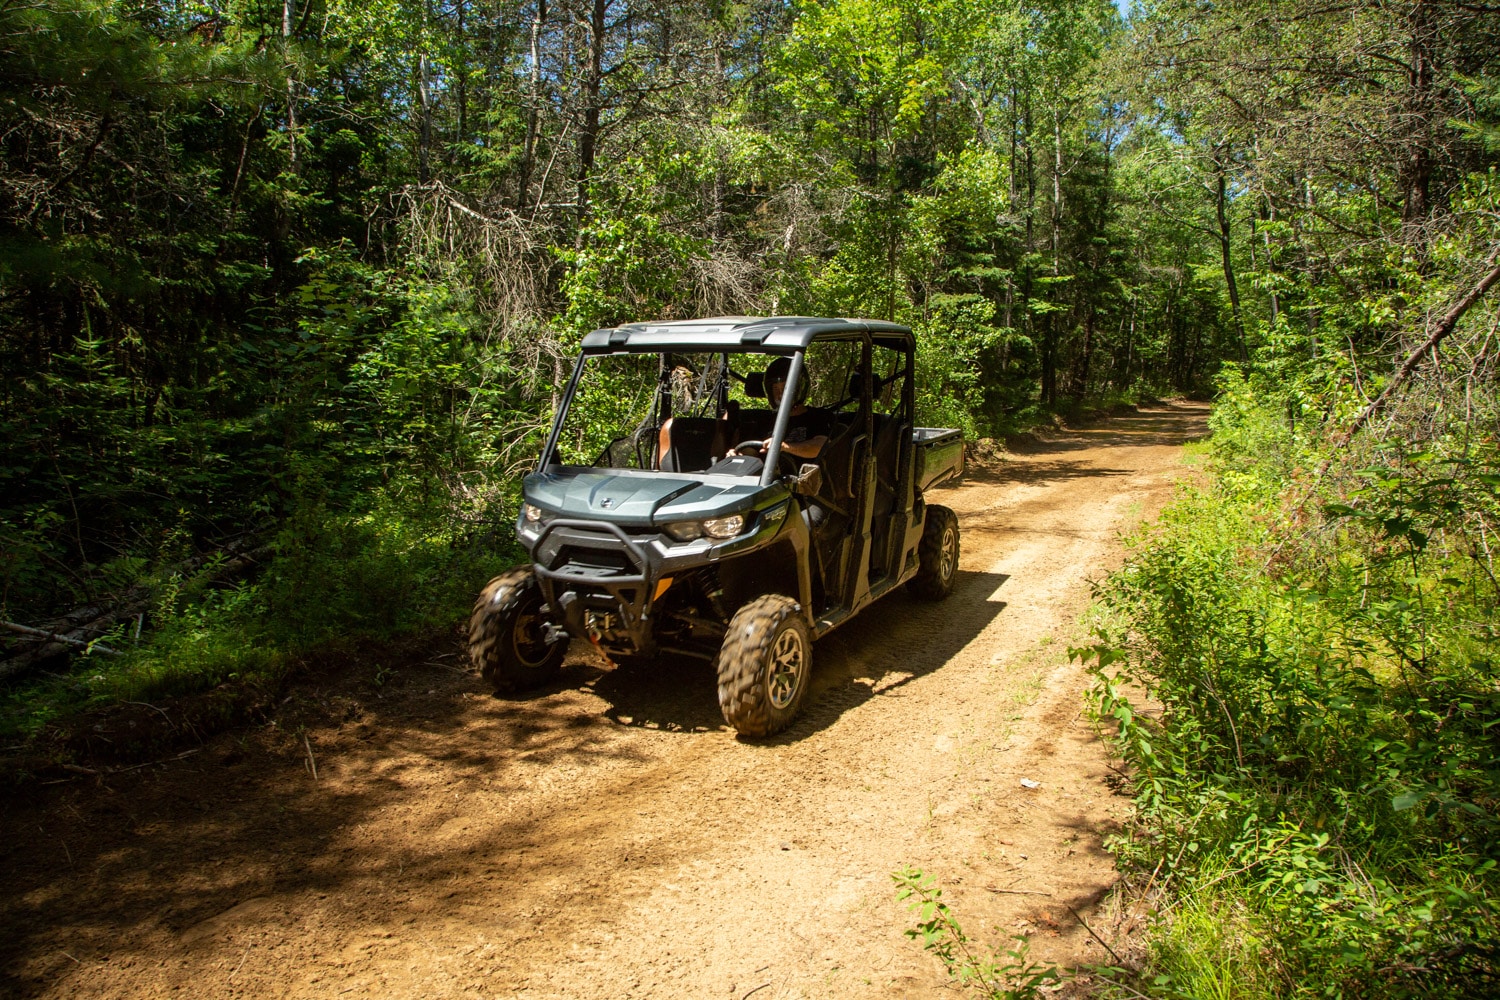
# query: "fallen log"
94,647
1444,326
66,642
69,632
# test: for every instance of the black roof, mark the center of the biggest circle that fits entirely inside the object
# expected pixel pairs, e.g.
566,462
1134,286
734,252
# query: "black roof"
776,335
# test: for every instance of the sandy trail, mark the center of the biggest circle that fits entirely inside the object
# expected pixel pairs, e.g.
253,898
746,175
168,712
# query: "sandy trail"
610,837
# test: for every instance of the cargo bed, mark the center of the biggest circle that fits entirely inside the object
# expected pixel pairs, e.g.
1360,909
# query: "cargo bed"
940,456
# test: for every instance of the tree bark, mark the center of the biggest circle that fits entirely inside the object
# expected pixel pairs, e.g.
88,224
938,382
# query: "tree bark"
288,19
424,128
462,83
1221,209
1416,171
593,86
533,111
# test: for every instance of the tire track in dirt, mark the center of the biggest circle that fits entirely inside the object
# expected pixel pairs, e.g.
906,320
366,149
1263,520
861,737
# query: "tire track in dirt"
611,837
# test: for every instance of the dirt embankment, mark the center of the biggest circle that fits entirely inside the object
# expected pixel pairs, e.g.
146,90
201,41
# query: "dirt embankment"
610,837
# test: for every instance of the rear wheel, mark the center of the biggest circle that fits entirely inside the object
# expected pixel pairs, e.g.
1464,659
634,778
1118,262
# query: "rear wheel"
764,666
937,555
508,634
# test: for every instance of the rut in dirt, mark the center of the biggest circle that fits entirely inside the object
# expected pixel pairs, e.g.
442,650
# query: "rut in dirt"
610,836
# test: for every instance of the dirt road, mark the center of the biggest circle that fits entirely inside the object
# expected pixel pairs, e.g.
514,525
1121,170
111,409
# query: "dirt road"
611,838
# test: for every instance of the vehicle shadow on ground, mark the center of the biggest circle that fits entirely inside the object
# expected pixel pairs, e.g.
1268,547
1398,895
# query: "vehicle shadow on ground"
887,645
133,864
899,640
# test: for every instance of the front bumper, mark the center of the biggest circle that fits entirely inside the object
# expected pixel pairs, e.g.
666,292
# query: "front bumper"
591,569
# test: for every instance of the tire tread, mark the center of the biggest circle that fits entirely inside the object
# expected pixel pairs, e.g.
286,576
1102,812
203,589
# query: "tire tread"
929,584
743,697
488,628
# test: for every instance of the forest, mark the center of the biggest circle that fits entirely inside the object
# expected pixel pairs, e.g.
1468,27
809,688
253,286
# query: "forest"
287,291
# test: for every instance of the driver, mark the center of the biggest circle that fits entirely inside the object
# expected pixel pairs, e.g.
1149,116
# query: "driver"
808,429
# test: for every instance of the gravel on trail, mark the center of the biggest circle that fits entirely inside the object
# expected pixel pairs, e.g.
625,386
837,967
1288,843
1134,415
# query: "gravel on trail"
610,836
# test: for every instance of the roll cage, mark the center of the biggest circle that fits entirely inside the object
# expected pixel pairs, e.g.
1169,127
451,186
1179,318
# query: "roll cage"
729,336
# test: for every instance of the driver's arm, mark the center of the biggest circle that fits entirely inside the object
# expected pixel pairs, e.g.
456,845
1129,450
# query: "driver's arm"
803,449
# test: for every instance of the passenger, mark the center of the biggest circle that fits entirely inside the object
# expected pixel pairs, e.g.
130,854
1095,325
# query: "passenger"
809,427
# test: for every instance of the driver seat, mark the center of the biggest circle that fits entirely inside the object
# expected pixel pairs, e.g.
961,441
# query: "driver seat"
688,444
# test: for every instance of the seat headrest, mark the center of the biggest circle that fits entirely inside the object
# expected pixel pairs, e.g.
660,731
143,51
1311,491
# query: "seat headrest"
755,385
856,384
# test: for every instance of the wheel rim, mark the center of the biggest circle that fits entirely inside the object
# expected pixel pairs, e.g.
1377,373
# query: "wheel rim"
528,638
788,664
948,562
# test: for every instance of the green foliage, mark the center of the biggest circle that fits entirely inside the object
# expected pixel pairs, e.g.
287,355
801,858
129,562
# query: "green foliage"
1009,977
1324,765
626,268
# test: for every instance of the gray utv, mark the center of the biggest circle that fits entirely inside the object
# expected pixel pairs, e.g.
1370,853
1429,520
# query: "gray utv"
657,523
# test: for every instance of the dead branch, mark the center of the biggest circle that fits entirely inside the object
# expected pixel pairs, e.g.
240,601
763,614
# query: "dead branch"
53,636
1444,327
78,628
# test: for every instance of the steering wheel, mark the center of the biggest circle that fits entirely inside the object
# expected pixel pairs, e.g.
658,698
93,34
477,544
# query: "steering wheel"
787,463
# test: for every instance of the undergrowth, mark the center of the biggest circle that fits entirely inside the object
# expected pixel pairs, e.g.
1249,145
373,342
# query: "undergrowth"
1304,673
331,582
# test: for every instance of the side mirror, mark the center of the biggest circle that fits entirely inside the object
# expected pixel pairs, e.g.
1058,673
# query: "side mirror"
809,480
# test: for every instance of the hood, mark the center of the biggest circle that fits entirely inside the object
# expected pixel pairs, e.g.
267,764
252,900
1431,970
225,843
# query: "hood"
635,497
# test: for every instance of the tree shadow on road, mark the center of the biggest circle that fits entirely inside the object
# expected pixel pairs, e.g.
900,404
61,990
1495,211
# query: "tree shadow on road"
1164,425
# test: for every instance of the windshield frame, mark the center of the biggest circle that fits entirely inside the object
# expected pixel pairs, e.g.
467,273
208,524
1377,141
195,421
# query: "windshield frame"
547,463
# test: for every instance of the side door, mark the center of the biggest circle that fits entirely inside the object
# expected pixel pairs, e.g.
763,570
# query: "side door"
836,372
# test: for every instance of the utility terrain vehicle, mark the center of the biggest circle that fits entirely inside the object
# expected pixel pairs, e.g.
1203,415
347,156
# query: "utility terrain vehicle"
668,513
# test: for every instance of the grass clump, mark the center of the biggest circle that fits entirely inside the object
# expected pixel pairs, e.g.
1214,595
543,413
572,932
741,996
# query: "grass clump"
1008,976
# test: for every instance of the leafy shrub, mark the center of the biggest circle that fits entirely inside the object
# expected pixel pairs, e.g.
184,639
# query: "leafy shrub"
1325,758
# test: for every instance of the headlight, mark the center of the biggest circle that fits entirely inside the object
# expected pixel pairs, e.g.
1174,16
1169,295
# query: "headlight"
533,514
724,527
684,531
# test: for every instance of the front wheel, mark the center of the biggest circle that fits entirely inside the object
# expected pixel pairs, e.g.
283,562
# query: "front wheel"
764,666
937,555
508,635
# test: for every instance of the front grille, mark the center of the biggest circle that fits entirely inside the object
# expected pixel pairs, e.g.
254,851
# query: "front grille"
584,562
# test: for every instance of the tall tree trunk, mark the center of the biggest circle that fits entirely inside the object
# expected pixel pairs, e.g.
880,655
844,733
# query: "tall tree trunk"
1028,273
533,110
1056,189
288,19
1050,334
593,85
1010,203
424,125
1081,387
461,84
1268,215
1221,208
1267,210
720,182
1416,172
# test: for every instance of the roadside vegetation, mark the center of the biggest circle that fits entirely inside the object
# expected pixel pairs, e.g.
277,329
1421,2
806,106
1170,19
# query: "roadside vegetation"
1301,658
286,291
